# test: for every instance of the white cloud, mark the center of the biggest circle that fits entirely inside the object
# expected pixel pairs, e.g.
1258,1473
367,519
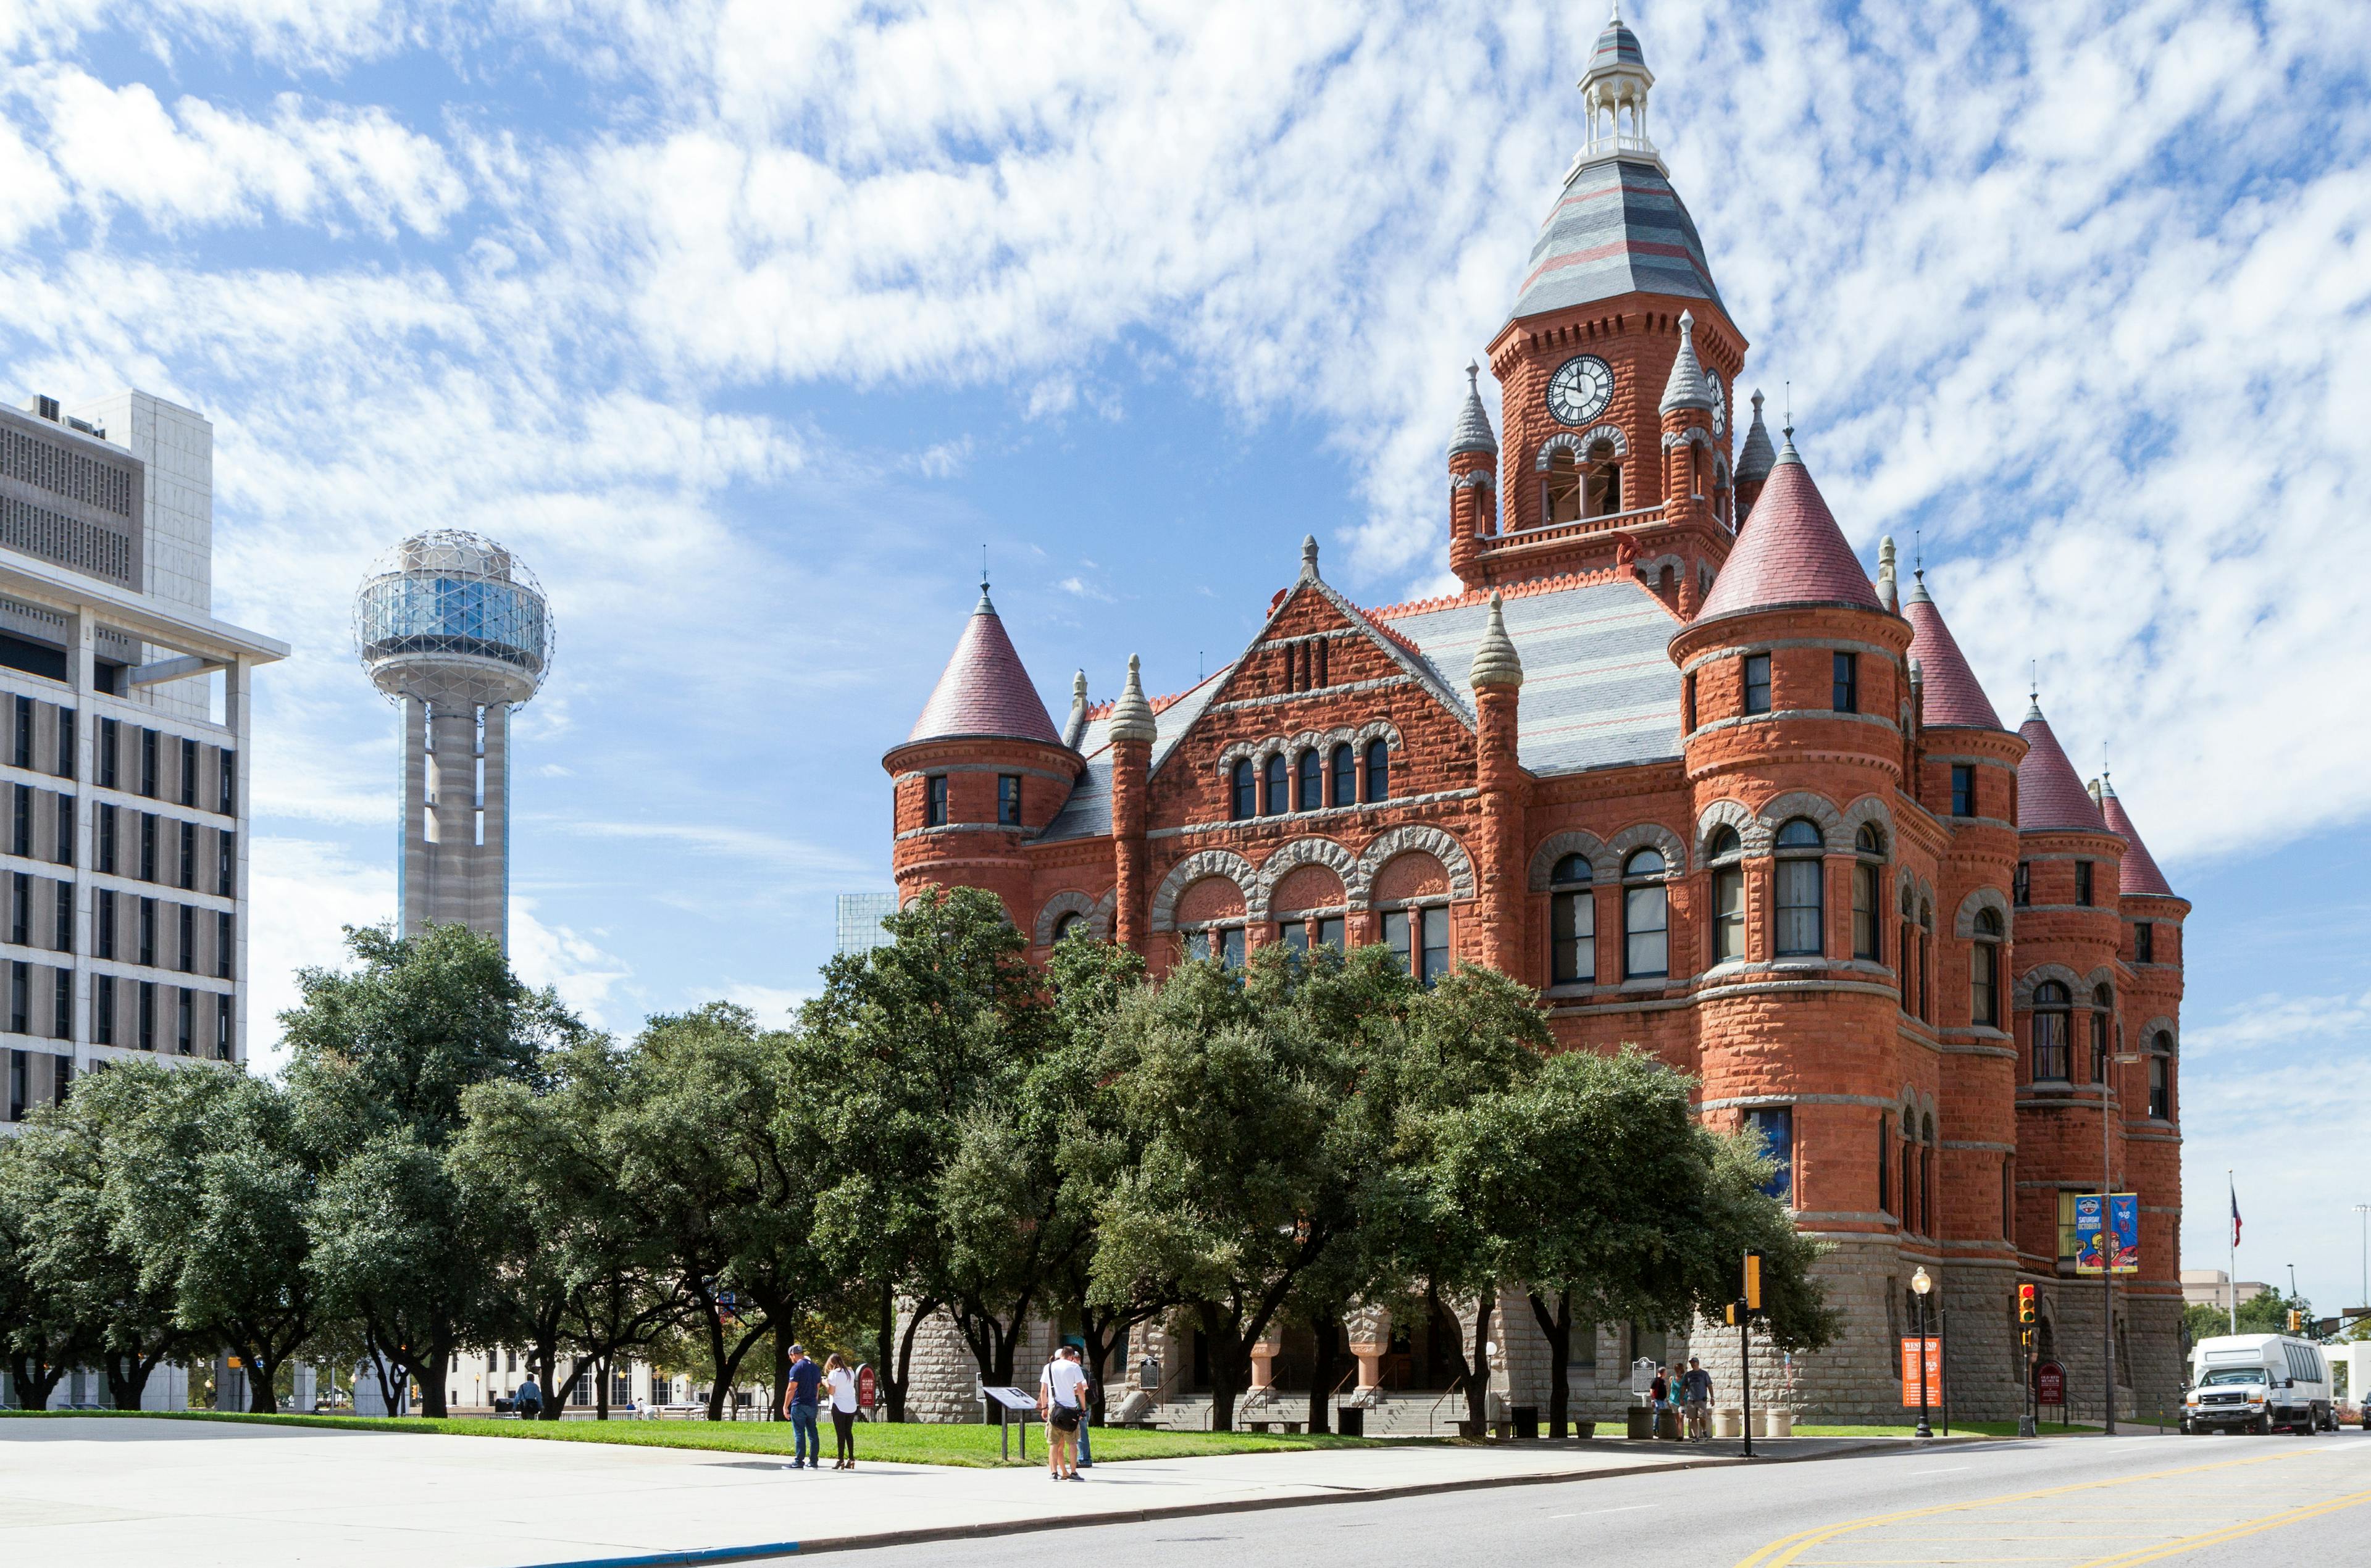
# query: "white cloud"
774,1005
301,895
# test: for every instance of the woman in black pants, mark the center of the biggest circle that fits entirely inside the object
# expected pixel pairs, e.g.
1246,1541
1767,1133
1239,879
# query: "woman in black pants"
842,1383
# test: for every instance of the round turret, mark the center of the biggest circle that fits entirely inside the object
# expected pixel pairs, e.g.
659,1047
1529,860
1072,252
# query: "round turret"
455,621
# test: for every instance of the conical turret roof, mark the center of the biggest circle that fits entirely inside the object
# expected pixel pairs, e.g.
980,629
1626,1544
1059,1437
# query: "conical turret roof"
2139,874
1954,696
2049,795
1793,553
1756,458
1472,432
1687,387
985,690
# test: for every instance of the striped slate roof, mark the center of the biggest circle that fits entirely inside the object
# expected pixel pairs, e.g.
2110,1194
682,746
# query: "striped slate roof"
2140,876
1954,697
984,689
1617,45
1087,814
1789,552
1617,229
1600,690
2049,795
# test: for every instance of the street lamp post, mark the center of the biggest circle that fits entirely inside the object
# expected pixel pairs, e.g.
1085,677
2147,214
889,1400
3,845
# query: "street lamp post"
1920,1284
2364,1212
2108,1244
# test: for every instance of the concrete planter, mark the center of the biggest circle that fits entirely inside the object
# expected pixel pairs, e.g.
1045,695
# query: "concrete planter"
1729,1420
1777,1423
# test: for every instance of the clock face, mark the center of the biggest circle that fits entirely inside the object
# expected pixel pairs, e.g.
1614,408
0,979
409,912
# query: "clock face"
1580,388
1720,407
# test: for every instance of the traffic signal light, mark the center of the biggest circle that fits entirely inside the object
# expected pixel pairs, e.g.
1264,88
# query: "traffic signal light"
1732,1314
1753,1282
2296,1320
2025,1304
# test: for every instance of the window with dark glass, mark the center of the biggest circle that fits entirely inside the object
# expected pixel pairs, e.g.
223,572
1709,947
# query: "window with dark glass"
1845,696
934,801
1773,1127
1278,787
189,772
1868,893
1646,917
102,922
102,1010
2144,942
24,731
148,932
1963,789
65,830
148,847
1572,922
186,949
2103,1011
226,863
21,840
1330,932
2022,885
65,742
2083,884
61,1004
1905,952
1433,956
1244,789
1984,971
1757,683
1378,771
1926,961
1224,944
229,784
148,782
184,1016
20,909
1309,780
2161,1077
104,831
1074,921
1727,854
1345,775
1294,934
1800,903
1885,1162
20,998
62,920
190,855
223,1027
1008,800
111,739
1927,1177
2052,1007
1399,937
1910,1219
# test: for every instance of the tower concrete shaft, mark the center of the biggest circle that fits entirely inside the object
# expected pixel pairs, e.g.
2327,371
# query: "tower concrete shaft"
456,849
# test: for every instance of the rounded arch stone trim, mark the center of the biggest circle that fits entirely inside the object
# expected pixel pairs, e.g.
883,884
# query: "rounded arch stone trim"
2103,975
1780,809
1602,865
1727,813
2166,1026
1649,835
1193,869
1437,843
1578,442
1963,925
2026,983
1382,730
1070,901
1298,852
1870,811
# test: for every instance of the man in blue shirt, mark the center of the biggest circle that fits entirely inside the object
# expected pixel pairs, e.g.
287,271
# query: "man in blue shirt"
799,1403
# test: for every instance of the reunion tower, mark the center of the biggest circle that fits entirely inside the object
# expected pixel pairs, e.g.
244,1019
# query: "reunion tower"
457,633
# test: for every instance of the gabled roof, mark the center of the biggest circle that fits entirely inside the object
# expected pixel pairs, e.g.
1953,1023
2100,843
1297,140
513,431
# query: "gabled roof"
984,690
2140,875
1087,814
1618,227
1954,697
2049,795
1790,552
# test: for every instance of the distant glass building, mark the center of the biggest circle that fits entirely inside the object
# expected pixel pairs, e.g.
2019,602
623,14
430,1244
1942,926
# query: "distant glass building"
860,915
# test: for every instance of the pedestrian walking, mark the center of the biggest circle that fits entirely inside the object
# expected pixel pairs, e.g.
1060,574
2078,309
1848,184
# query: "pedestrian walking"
799,1405
1659,1400
1062,1397
842,1383
528,1399
1695,1393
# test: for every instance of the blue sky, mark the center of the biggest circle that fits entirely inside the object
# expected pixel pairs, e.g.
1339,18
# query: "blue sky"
748,325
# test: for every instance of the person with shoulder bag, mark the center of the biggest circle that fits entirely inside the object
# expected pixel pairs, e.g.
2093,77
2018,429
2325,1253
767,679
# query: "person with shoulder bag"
1062,1395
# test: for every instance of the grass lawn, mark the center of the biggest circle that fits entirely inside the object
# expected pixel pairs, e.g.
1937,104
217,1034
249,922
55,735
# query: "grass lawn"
975,1447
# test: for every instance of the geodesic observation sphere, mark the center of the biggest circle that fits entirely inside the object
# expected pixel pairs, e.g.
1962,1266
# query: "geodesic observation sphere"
454,619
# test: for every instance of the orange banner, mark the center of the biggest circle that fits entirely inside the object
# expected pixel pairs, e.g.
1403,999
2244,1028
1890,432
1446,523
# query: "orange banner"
1910,1370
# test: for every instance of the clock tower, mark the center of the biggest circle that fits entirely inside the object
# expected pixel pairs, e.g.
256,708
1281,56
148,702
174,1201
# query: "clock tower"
1617,368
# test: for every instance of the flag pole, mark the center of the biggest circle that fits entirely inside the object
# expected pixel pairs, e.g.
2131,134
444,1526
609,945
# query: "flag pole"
2231,1282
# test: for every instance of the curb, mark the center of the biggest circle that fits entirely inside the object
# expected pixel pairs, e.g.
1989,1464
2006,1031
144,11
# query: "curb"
698,1556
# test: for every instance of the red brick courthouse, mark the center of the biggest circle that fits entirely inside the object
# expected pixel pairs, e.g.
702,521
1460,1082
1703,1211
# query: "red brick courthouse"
1673,757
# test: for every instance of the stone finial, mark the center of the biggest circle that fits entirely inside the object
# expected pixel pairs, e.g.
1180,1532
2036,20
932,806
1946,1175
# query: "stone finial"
1887,593
1917,675
1131,716
1075,727
1687,389
1496,663
1472,432
1309,557
1755,458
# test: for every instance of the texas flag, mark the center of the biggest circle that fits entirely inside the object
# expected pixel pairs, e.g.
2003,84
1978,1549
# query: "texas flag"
2234,1216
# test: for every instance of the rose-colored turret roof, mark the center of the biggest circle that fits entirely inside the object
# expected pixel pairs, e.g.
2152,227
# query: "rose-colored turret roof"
984,689
1791,552
2140,875
1953,693
2049,795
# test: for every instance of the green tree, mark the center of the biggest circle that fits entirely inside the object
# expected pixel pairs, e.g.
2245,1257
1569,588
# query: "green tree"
395,1249
42,1332
209,1190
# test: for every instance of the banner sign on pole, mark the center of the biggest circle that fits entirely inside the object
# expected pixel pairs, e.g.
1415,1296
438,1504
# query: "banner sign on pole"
1910,1370
2123,1227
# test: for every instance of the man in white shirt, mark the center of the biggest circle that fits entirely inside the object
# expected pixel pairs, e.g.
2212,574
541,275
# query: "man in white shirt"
1062,1397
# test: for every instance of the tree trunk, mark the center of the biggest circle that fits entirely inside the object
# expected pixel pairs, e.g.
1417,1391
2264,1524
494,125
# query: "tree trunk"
782,1343
601,1389
431,1382
127,1376
262,1383
1231,1364
1556,1328
1327,1330
33,1381
1477,1376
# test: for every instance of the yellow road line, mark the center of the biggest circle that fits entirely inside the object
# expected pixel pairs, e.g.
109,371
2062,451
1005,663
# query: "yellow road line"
2229,1532
1783,1553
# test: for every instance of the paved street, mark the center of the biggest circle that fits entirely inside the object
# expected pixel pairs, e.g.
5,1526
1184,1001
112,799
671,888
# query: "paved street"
2066,1503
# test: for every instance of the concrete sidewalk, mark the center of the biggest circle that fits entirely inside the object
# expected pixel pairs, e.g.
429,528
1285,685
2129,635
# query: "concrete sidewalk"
112,1490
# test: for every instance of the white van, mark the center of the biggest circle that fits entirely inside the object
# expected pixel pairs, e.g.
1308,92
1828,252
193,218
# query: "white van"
2256,1383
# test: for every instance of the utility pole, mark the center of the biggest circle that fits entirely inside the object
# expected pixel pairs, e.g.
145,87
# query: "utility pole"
2363,1213
2108,1242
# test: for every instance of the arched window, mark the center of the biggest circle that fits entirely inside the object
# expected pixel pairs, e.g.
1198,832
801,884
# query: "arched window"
1727,853
1927,1177
1868,884
1926,961
2051,1008
1799,905
1602,484
1984,970
1310,781
1909,1215
1646,917
1345,775
1906,950
1279,802
1378,771
1572,922
2161,1076
2103,1013
1560,490
1245,790
1885,1161
1073,922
